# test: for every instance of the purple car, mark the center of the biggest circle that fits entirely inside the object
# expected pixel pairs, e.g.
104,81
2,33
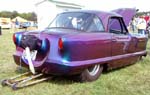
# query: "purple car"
81,43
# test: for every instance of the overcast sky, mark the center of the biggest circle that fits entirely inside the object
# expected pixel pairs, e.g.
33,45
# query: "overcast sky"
106,5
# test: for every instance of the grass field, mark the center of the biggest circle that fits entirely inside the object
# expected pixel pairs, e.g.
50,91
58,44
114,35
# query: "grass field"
132,80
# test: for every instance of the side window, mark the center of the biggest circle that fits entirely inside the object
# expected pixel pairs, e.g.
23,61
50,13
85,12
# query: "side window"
114,26
96,25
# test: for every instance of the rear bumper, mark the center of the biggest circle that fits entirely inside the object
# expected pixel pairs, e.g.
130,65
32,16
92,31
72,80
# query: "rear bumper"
52,67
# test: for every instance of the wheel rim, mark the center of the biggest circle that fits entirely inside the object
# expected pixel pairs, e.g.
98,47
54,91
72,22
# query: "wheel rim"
93,70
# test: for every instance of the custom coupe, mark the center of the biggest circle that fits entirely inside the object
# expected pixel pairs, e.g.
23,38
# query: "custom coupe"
81,44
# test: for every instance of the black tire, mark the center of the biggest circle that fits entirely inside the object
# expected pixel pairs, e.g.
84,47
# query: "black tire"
90,74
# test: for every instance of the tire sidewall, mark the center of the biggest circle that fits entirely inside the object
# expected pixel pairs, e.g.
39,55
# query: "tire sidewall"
87,77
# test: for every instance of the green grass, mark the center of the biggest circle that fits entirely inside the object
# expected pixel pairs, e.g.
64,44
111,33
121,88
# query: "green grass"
131,80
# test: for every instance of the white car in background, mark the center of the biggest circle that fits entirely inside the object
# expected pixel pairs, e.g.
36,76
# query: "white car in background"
5,23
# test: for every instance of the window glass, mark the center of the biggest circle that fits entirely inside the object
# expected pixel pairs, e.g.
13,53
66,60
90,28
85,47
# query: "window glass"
114,26
96,25
77,20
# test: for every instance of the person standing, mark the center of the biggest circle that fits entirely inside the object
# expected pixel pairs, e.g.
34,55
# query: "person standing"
16,23
133,24
141,25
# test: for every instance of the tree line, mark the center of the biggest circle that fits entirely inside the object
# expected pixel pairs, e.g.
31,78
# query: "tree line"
33,17
143,13
29,16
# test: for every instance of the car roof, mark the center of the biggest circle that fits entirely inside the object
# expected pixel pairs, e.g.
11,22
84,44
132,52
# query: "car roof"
103,15
97,12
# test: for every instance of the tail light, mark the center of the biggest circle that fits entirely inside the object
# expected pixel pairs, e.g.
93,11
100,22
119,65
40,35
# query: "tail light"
60,44
14,38
17,39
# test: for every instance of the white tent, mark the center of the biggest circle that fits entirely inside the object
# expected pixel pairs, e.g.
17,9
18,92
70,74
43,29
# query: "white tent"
19,19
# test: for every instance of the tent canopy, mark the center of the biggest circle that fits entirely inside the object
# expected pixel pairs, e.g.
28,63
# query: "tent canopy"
19,19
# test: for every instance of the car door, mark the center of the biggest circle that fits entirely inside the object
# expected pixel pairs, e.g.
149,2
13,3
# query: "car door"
120,41
120,38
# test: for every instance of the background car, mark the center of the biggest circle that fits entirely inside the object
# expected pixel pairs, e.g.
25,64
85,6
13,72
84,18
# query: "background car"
25,25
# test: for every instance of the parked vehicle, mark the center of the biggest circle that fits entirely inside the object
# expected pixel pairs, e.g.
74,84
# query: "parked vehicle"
28,24
81,43
25,25
5,23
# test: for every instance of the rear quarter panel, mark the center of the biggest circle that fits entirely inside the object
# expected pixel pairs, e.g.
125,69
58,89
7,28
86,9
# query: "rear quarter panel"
87,46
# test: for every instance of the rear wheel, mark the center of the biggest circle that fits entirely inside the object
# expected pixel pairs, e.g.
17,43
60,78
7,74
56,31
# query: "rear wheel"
91,73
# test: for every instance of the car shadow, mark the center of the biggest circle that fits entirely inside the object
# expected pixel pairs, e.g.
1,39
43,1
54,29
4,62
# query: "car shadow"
62,80
117,69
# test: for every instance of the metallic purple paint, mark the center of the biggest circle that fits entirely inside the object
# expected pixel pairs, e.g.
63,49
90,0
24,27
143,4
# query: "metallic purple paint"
82,49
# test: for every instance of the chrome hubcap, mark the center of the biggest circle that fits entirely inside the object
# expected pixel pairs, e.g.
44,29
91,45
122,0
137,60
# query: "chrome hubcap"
93,70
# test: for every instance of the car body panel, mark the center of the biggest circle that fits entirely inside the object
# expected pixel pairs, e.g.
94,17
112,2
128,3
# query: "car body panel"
81,49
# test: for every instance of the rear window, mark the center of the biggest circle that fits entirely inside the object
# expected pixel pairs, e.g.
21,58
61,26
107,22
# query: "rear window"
77,20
